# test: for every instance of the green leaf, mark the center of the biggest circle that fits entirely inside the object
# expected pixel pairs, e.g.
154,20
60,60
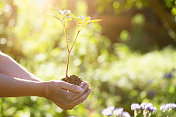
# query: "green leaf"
79,20
59,16
71,14
69,19
87,19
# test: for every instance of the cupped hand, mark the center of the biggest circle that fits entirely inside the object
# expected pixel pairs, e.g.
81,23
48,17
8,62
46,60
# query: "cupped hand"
66,95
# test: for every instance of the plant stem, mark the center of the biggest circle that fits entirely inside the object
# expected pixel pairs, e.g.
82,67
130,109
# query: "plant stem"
65,113
0,107
79,30
74,40
1,111
135,113
67,65
65,33
168,114
69,50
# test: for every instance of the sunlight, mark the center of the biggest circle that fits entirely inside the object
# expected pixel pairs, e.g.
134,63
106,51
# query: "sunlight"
42,5
127,59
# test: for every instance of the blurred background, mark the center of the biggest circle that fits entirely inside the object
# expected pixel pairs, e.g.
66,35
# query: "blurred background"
128,57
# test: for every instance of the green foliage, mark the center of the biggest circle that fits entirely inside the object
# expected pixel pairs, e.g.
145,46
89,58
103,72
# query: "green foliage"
117,75
139,78
65,15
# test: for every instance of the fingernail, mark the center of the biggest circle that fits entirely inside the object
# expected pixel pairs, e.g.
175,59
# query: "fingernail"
85,82
82,84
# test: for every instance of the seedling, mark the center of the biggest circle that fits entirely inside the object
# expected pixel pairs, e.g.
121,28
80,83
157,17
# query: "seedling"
65,16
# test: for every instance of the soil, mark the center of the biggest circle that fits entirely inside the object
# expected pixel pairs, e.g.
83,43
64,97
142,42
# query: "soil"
73,79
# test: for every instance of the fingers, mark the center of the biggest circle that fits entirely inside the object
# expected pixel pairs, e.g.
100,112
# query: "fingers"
85,88
71,87
79,101
82,98
63,93
82,86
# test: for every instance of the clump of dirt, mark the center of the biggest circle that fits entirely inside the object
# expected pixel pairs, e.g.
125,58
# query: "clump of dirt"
73,79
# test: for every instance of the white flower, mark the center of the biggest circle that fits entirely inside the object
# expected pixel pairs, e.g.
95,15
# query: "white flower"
135,107
67,12
126,114
162,108
61,12
118,111
167,107
146,105
152,109
108,111
64,12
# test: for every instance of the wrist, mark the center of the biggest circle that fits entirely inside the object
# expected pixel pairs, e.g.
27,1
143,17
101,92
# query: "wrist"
44,89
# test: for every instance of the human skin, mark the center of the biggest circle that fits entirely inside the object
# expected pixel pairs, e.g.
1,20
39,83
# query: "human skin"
10,67
15,81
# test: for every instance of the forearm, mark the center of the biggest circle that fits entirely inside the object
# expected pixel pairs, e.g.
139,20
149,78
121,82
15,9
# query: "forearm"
15,87
10,67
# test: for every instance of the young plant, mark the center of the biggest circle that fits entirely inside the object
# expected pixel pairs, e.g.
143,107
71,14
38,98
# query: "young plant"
65,16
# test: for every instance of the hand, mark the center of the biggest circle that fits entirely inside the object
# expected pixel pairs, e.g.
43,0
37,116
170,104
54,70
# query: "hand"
66,95
80,97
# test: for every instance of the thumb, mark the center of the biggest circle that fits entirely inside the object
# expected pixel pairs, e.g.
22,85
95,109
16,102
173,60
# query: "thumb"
71,87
